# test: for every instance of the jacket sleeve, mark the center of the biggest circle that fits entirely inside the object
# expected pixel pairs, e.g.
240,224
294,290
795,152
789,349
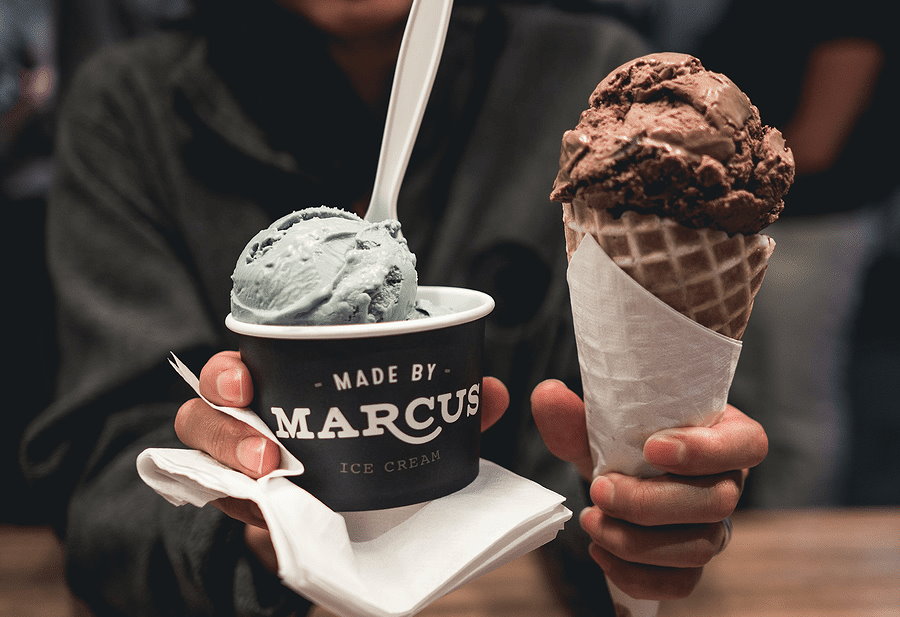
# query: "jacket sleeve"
125,298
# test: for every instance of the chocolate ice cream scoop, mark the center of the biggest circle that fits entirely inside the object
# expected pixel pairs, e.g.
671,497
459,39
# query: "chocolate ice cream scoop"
665,136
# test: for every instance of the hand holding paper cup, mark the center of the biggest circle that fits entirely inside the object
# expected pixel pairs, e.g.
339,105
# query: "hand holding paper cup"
380,504
665,185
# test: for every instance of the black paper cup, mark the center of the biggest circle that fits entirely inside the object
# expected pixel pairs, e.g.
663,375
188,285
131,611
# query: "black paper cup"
381,415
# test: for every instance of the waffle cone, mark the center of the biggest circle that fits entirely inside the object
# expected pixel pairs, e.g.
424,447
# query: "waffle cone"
704,274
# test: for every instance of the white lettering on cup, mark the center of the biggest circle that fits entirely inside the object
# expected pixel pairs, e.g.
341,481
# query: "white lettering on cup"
295,428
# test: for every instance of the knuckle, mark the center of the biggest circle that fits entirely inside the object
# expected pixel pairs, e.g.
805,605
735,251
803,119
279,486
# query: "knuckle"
199,426
639,508
184,418
619,539
207,377
762,446
724,496
755,443
592,523
706,547
627,545
222,439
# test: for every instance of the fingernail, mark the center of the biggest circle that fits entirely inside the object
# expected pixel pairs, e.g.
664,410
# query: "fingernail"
665,450
229,385
603,492
251,453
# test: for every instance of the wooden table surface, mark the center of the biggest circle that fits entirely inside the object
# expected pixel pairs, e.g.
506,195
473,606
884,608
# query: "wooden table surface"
804,563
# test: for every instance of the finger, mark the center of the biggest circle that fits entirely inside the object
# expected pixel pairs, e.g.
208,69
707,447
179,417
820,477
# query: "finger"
646,582
559,415
225,380
735,442
243,510
677,546
229,441
668,500
494,399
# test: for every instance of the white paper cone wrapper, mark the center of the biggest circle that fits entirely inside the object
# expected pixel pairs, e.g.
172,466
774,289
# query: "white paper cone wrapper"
383,563
626,606
644,367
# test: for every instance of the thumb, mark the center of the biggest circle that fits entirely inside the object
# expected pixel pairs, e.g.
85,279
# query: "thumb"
559,415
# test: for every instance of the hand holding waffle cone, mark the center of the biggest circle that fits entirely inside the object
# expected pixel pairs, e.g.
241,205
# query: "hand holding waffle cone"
665,185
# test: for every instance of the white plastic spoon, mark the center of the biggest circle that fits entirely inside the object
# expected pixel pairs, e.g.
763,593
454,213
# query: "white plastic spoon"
420,54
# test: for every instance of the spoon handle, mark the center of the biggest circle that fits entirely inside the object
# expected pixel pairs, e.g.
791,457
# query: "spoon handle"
420,54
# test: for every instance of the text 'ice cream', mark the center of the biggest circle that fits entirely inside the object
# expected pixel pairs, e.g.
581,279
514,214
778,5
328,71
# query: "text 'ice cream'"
325,266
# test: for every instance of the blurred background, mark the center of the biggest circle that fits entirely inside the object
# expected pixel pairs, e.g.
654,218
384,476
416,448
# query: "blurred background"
854,441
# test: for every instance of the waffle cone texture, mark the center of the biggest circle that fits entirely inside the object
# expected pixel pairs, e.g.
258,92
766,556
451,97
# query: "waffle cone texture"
704,274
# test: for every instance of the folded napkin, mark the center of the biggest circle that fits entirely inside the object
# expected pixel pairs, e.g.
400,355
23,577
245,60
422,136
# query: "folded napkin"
383,563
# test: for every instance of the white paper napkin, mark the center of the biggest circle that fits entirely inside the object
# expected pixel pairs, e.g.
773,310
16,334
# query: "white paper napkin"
644,367
385,563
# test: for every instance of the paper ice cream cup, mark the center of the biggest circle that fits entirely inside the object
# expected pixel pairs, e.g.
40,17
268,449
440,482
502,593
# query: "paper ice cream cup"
381,415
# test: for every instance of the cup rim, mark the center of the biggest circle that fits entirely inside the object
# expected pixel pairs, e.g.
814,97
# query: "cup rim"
479,305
